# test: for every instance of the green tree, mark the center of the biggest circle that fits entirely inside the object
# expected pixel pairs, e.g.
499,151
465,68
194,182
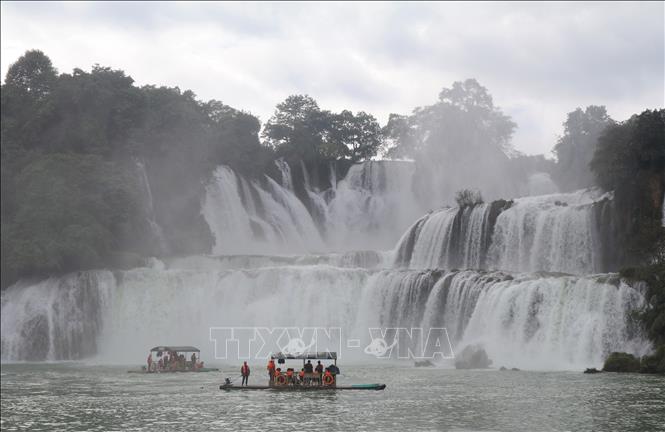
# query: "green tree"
32,75
300,130
460,141
297,129
236,140
463,121
630,160
575,149
357,136
29,81
93,112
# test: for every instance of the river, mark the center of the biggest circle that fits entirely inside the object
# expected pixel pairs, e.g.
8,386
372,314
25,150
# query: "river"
77,397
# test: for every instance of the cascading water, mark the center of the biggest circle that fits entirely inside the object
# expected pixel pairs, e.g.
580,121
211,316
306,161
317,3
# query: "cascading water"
539,320
551,233
543,321
319,205
156,230
231,211
526,321
55,319
546,233
372,205
369,208
285,170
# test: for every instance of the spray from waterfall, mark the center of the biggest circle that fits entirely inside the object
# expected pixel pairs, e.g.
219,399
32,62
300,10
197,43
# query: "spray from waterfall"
527,321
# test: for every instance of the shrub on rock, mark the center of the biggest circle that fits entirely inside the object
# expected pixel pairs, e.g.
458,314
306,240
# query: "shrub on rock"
621,362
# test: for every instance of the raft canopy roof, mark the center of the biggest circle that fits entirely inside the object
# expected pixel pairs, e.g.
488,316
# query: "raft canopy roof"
175,348
323,355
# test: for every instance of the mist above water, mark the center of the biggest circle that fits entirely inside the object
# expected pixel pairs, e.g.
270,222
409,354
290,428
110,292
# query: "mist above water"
281,261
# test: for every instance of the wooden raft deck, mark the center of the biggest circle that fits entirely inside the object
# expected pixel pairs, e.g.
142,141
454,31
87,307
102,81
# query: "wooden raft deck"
305,388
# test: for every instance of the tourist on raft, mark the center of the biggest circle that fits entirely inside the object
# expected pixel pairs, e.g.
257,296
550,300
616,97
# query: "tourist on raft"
244,371
319,371
271,371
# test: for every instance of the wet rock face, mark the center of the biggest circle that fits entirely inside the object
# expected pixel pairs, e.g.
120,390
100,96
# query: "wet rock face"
621,362
35,332
472,357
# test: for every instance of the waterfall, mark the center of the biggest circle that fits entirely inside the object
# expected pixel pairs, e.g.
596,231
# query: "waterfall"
155,229
530,321
551,233
272,265
246,217
555,233
285,170
333,178
368,209
372,205
319,205
55,319
225,213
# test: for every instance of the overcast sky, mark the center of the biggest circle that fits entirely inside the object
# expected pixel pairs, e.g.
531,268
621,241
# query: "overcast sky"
539,61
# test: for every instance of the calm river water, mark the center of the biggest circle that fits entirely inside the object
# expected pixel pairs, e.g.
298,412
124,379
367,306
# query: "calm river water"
76,397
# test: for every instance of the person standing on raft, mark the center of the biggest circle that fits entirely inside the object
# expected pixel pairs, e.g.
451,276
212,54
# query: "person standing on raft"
319,372
244,371
271,371
193,359
149,362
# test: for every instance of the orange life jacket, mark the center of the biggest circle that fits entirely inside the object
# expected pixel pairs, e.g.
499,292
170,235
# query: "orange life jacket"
327,373
301,374
289,373
271,365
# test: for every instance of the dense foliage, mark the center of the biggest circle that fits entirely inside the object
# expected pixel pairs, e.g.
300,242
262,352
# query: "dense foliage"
575,149
630,160
72,149
300,130
92,164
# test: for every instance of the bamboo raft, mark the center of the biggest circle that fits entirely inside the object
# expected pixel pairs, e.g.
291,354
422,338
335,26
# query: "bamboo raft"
304,388
283,357
173,371
186,366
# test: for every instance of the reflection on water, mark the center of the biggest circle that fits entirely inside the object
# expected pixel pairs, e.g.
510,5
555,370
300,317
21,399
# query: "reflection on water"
77,397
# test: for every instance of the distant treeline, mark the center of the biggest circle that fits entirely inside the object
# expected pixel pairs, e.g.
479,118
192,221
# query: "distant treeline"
73,146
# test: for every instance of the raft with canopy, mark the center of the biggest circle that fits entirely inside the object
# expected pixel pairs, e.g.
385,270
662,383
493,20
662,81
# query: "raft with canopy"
175,364
309,382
